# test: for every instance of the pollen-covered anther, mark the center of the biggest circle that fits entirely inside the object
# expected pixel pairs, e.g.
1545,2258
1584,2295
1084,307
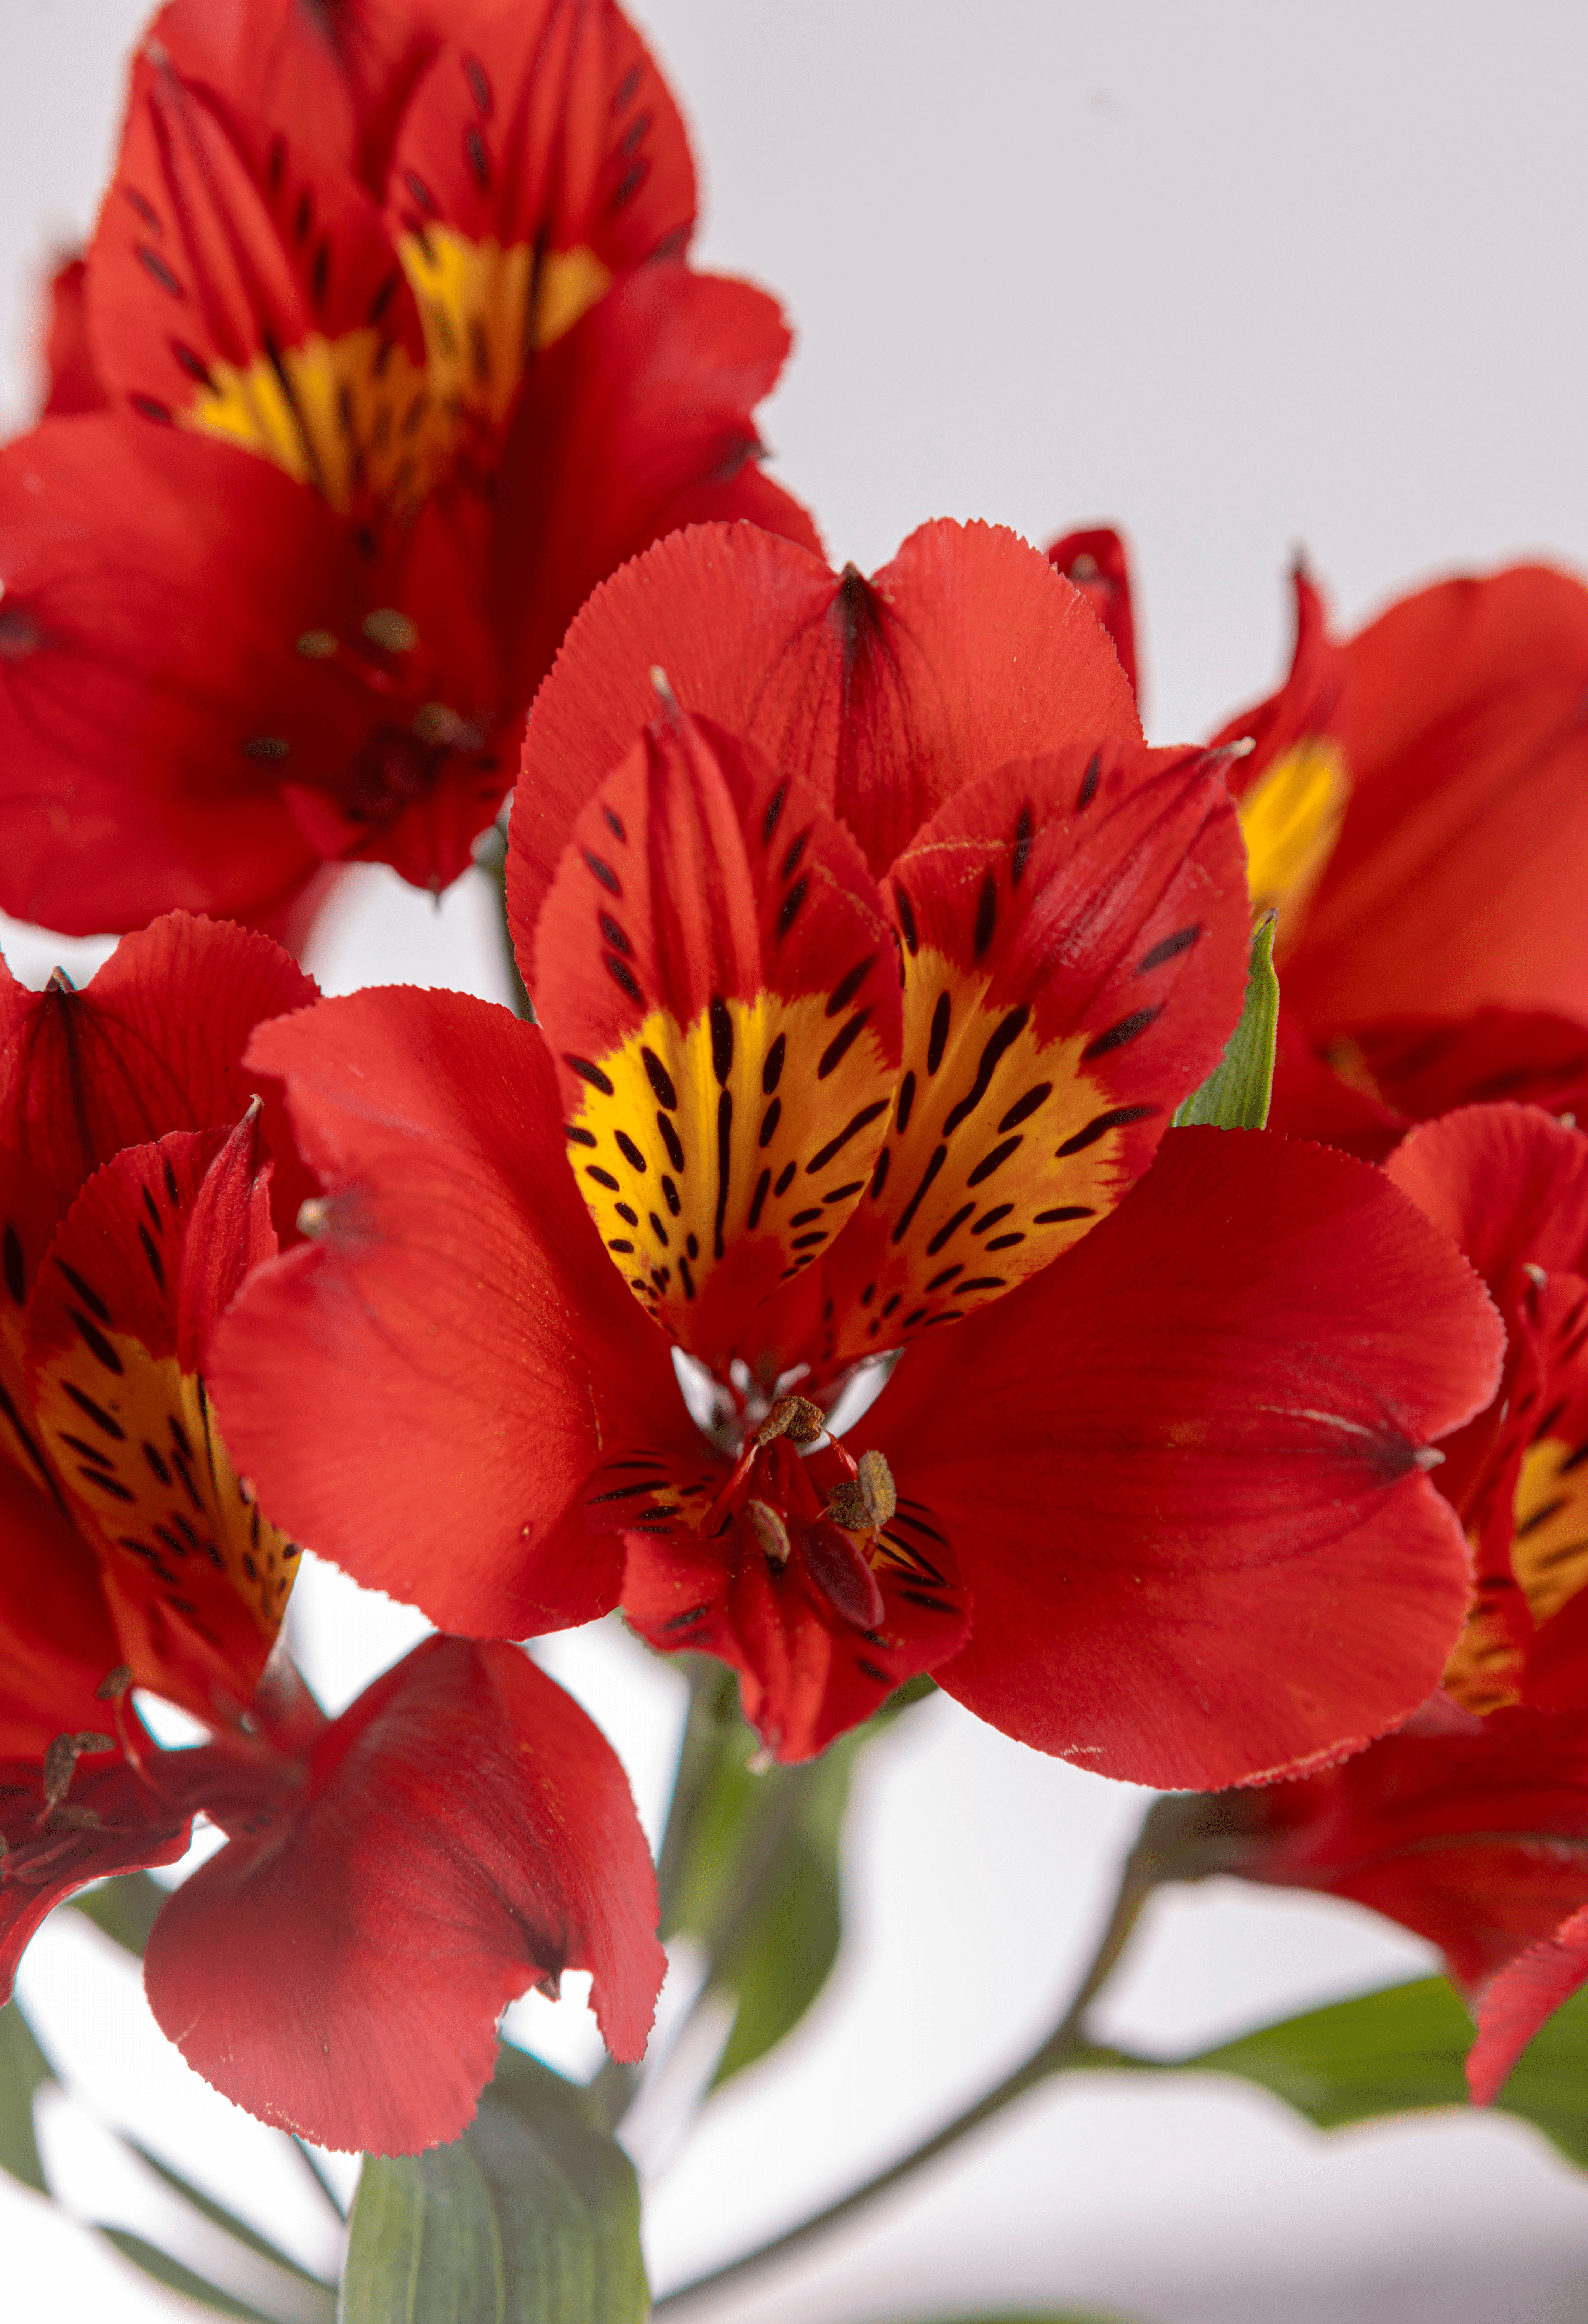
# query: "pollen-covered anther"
114,1683
794,1417
60,1761
769,1529
868,1499
314,1216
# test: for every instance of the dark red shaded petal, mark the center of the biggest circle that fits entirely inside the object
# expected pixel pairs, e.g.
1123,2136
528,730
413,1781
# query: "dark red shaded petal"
75,385
1459,873
1313,1099
1097,563
1519,1999
1473,1832
56,1643
110,1821
638,421
549,127
1074,937
118,1325
1181,1468
149,674
422,1391
464,1832
886,695
155,1043
717,978
1369,1083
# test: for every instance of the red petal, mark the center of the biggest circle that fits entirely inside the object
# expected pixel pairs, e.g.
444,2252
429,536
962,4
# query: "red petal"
141,657
341,76
155,1043
150,1253
56,1643
1097,563
466,1831
1181,1467
1515,2004
111,1820
1468,1831
546,129
75,385
820,1639
1074,936
636,422
1458,879
423,1391
1294,785
887,695
246,291
1505,1183
716,974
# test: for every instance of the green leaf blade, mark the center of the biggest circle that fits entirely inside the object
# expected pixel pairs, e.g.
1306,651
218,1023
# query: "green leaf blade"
23,2068
1236,1093
531,2218
1403,2051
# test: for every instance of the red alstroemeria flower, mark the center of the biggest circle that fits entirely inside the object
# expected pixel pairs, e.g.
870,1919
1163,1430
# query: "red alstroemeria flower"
1509,1185
868,977
1471,1826
391,1879
364,444
1097,562
1416,807
1472,1832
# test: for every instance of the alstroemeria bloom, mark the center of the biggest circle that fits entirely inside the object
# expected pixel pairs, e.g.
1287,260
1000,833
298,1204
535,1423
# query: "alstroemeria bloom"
1474,1831
1509,1185
1416,807
390,377
392,1877
1470,1825
870,967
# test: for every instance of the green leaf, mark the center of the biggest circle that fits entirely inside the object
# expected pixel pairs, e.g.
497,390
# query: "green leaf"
532,2217
1235,1094
22,2067
168,2271
753,1868
221,2218
1405,2049
124,1907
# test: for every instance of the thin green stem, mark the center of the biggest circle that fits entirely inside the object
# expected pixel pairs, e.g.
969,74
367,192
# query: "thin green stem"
1064,2045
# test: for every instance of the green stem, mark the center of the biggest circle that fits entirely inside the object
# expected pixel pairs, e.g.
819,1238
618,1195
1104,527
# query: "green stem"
1064,2045
614,2087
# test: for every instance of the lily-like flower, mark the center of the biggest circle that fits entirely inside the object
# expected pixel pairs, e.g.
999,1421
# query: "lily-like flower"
1470,1825
390,1878
1415,809
395,352
1473,1832
872,951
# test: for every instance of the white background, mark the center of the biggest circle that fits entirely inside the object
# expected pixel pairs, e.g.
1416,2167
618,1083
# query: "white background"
1244,274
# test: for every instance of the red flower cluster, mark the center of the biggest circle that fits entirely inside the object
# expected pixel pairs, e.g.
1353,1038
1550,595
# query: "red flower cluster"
384,352
821,1278
1471,1826
871,963
392,1877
